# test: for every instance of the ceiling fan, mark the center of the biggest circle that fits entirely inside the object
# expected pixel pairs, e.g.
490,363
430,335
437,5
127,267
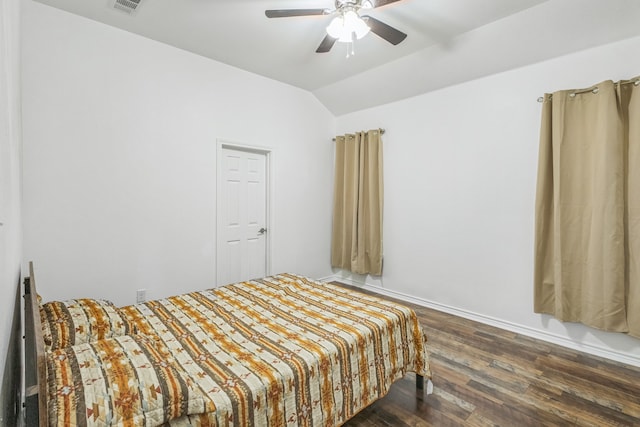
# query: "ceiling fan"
347,25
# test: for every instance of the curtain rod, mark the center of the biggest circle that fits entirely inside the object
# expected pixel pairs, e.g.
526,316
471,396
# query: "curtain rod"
382,131
594,89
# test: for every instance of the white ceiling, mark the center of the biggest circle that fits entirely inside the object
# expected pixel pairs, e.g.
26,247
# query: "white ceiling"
449,41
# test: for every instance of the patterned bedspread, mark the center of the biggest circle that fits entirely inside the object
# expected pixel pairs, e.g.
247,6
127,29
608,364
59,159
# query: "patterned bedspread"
280,351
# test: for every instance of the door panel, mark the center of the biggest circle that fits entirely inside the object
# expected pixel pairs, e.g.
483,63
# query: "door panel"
242,212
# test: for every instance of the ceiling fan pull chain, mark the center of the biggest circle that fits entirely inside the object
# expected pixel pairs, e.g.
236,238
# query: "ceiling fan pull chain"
351,46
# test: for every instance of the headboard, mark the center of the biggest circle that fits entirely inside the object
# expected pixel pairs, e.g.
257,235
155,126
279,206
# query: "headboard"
34,357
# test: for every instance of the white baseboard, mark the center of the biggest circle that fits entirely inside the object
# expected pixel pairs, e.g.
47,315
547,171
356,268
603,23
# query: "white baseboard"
553,338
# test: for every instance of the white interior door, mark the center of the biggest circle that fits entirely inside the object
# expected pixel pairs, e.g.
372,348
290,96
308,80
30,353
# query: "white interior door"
242,215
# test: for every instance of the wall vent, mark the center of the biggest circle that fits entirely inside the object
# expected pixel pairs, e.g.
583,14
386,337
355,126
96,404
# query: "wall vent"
128,6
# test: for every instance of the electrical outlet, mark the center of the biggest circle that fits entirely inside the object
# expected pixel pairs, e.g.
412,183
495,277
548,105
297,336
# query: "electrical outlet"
141,295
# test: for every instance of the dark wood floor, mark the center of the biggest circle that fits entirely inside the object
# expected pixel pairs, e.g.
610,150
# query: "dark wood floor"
485,376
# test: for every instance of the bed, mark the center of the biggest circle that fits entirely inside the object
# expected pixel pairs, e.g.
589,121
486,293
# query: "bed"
283,350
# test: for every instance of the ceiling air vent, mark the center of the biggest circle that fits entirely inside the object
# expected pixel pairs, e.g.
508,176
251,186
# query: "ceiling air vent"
128,6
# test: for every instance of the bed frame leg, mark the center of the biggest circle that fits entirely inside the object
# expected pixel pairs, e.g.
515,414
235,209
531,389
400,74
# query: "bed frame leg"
419,382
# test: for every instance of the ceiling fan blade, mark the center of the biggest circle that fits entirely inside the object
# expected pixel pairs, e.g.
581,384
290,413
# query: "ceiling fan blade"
385,31
286,13
326,44
378,3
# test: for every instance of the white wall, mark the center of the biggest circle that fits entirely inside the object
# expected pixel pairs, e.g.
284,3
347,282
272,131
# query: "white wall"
10,230
120,160
460,173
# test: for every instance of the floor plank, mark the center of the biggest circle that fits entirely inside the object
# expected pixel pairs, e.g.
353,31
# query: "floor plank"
484,376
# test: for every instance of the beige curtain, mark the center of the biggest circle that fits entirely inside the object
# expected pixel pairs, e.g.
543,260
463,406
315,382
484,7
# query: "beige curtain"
357,204
587,241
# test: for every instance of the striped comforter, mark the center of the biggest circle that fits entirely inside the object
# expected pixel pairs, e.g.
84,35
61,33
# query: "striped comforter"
280,351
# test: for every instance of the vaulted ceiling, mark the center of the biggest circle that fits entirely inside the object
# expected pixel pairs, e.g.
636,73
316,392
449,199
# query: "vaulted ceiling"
449,41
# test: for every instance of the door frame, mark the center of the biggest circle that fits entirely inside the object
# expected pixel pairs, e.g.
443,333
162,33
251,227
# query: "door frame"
268,153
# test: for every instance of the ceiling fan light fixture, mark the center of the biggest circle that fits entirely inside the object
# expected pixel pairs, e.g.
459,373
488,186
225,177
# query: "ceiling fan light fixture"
344,27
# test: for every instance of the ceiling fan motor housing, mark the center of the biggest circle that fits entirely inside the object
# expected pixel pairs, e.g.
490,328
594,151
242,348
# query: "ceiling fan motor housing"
348,4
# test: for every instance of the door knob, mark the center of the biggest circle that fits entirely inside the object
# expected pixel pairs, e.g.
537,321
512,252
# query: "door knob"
262,230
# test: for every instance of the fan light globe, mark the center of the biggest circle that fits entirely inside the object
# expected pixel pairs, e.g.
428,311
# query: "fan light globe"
343,27
335,27
361,28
